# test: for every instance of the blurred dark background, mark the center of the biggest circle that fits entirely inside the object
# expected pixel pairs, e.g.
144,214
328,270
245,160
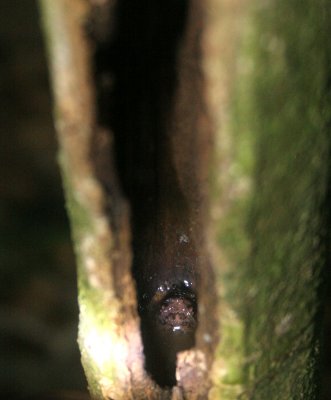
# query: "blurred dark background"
38,302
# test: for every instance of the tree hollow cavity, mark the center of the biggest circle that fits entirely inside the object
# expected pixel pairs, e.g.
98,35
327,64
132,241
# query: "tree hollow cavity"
150,97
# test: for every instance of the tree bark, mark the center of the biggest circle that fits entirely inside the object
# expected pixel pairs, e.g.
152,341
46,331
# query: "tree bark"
143,93
136,197
271,214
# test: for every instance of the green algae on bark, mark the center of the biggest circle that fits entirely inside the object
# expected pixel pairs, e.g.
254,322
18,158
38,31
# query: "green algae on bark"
285,112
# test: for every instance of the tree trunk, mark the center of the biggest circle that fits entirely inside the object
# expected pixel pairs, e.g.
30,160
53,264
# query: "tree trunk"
194,150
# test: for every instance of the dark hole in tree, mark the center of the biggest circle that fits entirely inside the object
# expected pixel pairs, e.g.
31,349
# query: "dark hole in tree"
136,72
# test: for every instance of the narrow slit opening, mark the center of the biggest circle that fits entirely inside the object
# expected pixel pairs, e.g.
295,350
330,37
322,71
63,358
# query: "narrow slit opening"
136,72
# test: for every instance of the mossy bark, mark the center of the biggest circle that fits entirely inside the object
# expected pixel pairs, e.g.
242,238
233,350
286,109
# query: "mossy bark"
272,208
267,67
109,327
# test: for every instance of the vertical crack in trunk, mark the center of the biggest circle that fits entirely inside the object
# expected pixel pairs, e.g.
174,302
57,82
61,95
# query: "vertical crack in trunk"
149,95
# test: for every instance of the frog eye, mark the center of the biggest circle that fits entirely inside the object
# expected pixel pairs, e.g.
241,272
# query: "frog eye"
182,289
